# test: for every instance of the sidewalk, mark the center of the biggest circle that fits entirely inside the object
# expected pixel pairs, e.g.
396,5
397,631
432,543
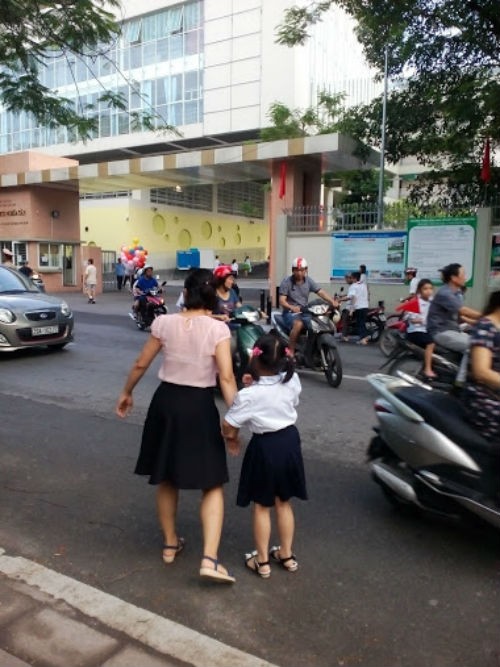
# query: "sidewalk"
120,303
50,620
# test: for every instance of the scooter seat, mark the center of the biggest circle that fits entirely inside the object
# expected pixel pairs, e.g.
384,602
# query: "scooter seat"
445,413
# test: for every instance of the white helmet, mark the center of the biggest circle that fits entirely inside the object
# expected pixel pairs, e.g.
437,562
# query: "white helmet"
299,263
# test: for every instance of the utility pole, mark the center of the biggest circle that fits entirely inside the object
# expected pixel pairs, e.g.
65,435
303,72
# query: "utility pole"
380,210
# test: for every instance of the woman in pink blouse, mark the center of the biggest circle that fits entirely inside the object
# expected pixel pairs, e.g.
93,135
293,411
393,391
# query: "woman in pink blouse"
182,446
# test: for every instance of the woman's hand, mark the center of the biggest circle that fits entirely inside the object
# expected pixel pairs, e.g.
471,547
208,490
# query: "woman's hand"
124,405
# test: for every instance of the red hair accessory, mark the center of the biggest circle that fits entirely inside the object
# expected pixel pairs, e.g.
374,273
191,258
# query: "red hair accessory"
256,352
288,352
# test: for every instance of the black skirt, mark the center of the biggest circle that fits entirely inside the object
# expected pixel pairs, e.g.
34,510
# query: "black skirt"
272,467
181,440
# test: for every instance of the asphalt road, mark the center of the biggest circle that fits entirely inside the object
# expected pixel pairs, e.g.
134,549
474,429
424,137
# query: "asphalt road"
374,587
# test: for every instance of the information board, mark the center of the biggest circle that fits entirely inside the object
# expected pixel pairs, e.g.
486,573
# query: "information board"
383,253
436,242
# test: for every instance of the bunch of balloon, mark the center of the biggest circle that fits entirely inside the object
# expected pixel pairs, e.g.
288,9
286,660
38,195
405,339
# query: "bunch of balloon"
134,256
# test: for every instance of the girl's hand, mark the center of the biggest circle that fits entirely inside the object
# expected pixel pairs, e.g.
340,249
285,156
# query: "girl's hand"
233,445
124,405
246,379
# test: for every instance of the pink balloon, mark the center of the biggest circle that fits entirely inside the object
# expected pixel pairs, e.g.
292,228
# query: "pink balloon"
130,264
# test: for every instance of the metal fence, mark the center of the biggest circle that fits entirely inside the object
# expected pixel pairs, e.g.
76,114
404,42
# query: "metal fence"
364,217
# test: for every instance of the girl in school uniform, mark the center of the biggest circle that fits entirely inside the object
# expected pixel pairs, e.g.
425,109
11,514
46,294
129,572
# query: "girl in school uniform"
273,469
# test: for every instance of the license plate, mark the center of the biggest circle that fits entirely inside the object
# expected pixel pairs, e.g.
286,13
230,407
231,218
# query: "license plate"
44,331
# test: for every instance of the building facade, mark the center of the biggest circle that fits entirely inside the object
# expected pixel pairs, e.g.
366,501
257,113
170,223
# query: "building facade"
210,69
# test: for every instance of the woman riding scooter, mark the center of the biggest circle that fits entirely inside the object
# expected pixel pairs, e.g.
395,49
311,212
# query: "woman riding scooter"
227,299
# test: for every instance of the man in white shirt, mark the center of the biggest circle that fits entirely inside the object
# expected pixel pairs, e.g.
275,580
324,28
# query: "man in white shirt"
411,278
359,304
90,278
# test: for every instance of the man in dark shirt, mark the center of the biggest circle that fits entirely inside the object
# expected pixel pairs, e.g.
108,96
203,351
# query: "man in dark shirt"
447,311
294,295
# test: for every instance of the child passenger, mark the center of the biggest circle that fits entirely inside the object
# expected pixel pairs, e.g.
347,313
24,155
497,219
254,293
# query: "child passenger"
417,325
273,469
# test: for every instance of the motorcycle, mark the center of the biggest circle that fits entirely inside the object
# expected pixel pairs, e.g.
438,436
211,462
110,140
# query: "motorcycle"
245,330
316,348
426,455
395,328
151,307
375,322
37,281
408,359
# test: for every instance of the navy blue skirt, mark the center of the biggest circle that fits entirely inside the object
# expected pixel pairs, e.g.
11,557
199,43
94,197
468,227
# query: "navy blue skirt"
181,440
272,467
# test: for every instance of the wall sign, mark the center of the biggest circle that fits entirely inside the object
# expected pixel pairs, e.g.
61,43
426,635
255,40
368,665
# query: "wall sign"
383,253
436,242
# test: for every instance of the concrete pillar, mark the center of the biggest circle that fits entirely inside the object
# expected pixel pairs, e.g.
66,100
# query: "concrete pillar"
477,295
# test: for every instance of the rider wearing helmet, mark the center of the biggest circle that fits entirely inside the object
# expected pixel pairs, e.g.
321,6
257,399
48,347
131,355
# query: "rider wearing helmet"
411,278
294,295
142,286
227,298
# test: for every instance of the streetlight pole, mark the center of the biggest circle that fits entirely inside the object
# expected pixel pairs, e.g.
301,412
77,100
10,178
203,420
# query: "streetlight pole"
380,211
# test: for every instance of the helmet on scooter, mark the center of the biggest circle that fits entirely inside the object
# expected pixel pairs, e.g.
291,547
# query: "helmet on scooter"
146,267
222,271
299,263
411,269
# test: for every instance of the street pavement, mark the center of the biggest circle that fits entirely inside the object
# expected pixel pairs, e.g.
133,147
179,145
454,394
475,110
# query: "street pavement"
49,619
52,620
82,549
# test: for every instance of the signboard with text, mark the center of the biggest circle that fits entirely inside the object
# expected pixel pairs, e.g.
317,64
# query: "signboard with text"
436,242
383,253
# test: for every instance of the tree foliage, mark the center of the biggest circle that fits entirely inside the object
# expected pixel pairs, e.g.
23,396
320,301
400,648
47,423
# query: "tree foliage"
30,33
443,63
287,123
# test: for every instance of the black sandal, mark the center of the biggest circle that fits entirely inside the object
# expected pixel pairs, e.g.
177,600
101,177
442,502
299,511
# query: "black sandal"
273,553
176,549
256,567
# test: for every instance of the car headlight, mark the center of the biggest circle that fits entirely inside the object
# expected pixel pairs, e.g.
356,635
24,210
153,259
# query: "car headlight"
6,316
65,309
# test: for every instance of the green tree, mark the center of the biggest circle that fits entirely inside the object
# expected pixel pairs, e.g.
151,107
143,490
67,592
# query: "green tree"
30,33
443,58
287,123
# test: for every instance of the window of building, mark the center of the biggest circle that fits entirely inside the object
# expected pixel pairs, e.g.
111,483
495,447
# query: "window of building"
169,34
245,198
191,196
49,255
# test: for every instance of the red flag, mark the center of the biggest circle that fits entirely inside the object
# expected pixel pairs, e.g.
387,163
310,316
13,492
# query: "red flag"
410,306
282,190
486,167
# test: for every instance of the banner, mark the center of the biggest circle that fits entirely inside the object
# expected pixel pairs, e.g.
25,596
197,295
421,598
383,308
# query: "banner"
383,253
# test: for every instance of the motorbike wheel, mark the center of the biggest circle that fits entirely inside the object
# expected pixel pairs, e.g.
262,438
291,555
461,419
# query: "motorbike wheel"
388,341
406,364
333,371
374,329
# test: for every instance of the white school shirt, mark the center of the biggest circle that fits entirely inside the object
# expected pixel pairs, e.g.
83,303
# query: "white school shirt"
413,327
266,405
361,295
91,274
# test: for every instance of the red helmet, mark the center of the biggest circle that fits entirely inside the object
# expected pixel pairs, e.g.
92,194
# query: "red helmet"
223,271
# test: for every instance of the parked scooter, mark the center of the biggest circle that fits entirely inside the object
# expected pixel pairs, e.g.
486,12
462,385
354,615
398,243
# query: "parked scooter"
426,455
375,322
316,348
151,307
